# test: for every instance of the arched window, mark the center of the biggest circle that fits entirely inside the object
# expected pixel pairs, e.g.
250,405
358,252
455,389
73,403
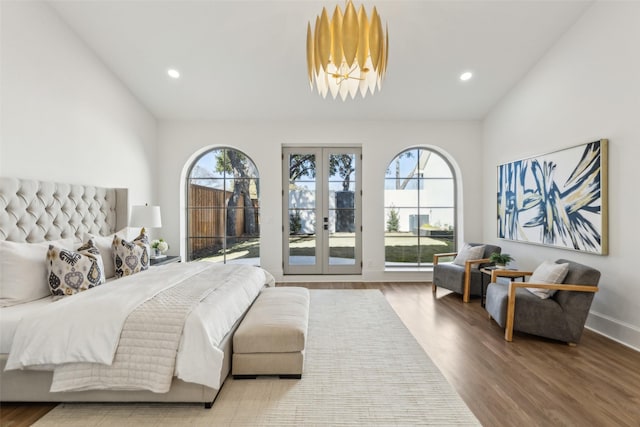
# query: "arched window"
223,208
420,211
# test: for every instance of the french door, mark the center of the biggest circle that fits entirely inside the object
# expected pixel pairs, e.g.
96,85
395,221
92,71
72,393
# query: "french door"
322,201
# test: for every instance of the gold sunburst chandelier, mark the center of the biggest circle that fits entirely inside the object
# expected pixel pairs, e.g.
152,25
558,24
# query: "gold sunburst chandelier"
348,53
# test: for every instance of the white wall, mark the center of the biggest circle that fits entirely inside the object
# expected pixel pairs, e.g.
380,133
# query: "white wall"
180,141
585,88
64,116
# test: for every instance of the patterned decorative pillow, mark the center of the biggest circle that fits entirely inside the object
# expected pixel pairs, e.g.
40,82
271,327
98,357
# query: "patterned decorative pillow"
105,246
70,272
131,257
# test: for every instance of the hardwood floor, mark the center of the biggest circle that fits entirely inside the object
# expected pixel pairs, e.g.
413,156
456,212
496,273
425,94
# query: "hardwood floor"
528,382
23,414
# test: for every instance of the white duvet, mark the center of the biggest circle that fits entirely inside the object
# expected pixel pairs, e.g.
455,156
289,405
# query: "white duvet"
86,327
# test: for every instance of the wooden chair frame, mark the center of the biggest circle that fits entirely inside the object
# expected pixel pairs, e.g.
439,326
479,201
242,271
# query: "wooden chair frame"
466,294
511,304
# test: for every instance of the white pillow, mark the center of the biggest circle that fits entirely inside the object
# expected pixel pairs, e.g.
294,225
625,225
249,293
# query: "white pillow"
467,253
105,246
23,270
548,272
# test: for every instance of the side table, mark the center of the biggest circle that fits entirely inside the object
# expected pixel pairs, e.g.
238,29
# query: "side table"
486,271
154,262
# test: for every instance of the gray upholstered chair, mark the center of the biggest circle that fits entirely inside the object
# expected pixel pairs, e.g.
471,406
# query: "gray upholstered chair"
560,317
465,280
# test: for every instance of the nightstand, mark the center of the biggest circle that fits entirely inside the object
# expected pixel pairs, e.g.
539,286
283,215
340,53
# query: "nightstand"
165,260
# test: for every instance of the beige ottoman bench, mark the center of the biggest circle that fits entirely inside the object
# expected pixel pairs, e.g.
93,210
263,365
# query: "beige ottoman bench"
271,338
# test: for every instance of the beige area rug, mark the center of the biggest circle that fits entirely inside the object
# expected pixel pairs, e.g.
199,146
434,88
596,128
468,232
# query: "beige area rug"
362,367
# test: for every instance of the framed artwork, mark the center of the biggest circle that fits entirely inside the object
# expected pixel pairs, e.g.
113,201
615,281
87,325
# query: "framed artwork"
557,199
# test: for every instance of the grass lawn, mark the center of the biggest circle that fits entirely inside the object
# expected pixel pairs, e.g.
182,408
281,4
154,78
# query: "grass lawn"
399,248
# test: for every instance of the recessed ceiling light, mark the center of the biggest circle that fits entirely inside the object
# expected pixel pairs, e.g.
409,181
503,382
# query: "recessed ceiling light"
466,76
174,74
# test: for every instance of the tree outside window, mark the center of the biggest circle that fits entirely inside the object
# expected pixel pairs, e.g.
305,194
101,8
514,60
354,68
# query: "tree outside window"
223,208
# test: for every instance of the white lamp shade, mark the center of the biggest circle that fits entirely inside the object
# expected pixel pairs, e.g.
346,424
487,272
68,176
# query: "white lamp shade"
145,216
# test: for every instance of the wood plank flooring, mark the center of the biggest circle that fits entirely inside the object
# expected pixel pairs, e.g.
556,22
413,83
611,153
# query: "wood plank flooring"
528,382
23,414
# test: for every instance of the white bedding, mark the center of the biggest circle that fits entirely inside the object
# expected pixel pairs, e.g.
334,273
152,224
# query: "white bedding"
10,316
40,343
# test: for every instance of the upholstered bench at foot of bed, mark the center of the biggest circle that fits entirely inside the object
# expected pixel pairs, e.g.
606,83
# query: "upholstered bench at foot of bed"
271,338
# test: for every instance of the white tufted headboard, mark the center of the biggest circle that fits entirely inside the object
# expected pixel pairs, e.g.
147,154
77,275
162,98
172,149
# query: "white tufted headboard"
36,211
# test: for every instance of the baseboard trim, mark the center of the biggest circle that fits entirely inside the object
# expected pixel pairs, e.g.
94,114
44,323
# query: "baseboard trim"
621,332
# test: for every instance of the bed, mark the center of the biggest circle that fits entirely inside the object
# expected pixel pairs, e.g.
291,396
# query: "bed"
31,345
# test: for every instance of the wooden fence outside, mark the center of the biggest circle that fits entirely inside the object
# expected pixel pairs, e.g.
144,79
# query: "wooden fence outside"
207,218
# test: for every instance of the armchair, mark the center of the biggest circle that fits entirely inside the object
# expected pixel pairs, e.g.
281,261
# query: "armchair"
465,280
560,317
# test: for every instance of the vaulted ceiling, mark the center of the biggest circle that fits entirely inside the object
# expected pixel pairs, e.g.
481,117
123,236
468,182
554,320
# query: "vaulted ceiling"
246,59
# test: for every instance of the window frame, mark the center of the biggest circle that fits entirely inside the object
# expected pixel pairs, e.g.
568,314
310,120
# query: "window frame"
225,178
387,206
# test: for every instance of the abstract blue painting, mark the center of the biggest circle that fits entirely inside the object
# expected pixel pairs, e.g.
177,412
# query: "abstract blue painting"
557,199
